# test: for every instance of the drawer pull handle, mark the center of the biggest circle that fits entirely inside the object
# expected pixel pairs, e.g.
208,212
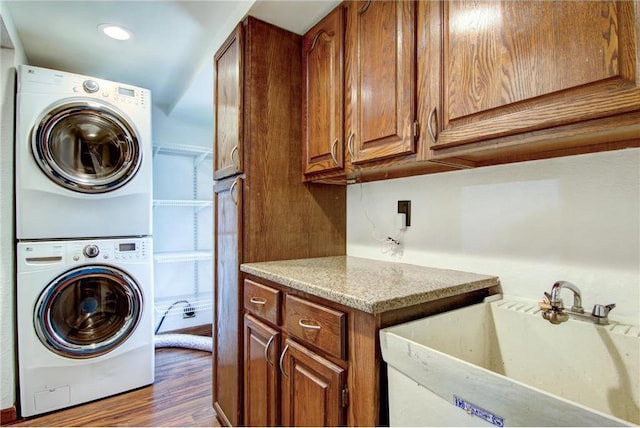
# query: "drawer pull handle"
258,301
305,324
286,348
266,351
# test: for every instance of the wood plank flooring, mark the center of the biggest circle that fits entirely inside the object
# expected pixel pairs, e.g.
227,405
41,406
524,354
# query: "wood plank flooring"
180,396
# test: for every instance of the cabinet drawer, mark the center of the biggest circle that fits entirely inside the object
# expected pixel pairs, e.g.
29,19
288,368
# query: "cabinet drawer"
262,301
316,325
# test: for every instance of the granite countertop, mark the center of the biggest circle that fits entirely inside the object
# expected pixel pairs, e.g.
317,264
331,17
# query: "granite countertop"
371,286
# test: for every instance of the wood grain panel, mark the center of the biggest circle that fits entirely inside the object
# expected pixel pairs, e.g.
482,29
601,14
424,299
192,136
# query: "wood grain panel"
228,104
284,218
514,67
227,322
323,94
499,54
365,407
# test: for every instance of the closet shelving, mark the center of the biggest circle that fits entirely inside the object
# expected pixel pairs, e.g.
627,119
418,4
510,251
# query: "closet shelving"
198,294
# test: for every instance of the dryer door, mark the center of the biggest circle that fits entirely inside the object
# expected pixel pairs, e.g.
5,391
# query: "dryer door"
88,311
86,146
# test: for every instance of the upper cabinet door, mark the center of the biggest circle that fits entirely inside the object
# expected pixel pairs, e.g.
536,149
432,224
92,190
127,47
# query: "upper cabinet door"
228,106
380,79
323,94
517,66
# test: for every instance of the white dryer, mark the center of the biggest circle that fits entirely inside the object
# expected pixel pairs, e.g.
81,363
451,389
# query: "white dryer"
84,319
83,157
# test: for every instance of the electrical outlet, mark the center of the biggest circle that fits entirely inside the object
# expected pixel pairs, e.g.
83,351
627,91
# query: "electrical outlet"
404,207
189,312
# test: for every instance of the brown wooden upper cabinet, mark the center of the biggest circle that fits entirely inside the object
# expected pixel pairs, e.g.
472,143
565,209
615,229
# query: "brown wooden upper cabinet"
323,94
380,79
518,73
359,94
228,133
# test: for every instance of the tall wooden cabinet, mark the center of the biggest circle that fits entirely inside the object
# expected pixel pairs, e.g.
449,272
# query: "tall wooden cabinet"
262,209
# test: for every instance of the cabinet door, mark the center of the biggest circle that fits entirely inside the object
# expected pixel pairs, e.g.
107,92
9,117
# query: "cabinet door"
228,106
517,66
227,321
261,375
313,391
380,64
323,94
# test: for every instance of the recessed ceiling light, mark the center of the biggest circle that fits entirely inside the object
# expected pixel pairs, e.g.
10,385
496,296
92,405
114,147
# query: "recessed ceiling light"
115,31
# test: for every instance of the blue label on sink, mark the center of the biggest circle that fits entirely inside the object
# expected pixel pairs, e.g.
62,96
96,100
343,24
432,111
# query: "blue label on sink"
472,409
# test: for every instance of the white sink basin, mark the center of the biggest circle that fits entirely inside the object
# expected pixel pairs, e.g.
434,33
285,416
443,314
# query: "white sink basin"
501,363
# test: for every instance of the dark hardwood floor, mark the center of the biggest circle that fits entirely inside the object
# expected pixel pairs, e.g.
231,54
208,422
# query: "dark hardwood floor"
180,396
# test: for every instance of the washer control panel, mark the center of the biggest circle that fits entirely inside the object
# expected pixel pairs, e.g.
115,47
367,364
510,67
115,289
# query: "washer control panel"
109,251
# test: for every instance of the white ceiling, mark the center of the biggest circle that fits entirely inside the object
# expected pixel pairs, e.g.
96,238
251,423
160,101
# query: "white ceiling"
171,52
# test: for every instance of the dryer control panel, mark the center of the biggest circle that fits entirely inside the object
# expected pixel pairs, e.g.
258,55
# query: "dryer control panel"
46,81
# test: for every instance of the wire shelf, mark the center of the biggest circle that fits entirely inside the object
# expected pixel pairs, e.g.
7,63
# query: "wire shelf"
182,256
181,203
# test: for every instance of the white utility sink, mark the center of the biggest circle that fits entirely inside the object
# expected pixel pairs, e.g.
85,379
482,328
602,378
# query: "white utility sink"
500,363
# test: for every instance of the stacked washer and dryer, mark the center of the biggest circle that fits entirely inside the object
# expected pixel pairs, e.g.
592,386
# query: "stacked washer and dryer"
84,250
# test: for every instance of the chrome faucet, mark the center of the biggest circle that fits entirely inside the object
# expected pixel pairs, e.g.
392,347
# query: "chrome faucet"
555,300
553,309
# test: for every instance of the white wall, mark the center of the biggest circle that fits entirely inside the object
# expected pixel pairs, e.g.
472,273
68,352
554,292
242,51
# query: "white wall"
11,54
533,223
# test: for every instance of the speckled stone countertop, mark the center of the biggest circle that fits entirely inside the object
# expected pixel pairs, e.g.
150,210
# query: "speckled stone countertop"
371,286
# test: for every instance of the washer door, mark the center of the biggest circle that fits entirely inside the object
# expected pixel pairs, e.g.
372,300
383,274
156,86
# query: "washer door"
88,311
86,146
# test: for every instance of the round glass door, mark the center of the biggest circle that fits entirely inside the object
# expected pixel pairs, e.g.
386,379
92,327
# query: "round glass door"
88,311
86,146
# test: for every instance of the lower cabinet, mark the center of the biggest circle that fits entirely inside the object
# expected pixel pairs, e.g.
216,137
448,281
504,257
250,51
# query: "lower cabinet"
313,388
261,374
285,382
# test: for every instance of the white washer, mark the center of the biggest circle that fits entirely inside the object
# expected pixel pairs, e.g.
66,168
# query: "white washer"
85,320
83,157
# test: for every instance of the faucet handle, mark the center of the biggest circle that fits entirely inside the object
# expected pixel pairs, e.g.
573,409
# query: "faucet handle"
557,303
602,311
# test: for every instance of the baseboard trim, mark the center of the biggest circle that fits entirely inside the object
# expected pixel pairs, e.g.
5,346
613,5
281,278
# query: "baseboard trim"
8,416
200,330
